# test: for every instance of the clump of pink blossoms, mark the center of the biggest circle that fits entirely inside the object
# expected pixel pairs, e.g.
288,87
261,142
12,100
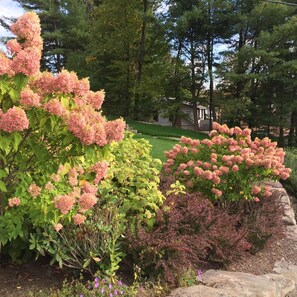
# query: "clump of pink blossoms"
29,98
86,201
14,202
14,119
229,165
100,168
79,219
64,202
34,190
28,46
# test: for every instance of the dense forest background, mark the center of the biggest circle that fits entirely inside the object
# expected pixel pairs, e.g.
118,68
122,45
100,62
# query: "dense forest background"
239,57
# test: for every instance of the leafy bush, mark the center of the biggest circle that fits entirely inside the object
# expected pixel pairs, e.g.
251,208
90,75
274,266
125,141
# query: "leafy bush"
132,183
226,168
128,194
54,140
72,187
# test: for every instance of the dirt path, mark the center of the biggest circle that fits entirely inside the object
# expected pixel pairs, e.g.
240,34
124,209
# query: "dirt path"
19,280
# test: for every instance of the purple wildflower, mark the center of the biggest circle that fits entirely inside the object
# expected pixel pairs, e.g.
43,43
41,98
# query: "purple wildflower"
199,274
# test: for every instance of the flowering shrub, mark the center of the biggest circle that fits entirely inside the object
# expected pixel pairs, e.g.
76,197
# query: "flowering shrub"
228,166
128,194
53,142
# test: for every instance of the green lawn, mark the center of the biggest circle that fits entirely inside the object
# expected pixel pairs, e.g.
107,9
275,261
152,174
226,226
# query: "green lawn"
161,138
159,145
157,130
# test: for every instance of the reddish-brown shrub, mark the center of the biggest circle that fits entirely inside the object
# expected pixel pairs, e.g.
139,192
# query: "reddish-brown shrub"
190,231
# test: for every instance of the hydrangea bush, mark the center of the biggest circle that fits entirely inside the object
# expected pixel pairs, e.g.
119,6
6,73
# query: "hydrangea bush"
229,166
54,141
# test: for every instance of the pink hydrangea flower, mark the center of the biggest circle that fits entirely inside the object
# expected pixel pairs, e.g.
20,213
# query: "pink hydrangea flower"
81,87
5,65
101,169
44,82
207,142
217,192
14,202
14,119
64,203
235,168
29,98
49,186
95,98
27,27
72,177
207,175
55,107
216,179
79,219
86,201
34,190
90,189
27,61
115,130
224,169
65,81
55,177
213,133
13,46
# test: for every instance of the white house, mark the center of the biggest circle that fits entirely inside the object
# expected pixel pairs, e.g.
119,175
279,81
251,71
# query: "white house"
186,118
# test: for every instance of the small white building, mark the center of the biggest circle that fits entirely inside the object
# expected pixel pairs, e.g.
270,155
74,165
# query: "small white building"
186,118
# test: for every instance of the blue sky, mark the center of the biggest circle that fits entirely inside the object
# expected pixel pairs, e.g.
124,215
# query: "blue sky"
9,8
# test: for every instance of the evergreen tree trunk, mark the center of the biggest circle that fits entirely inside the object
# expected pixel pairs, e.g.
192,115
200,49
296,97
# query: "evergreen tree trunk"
212,114
281,136
177,84
292,140
140,60
193,87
